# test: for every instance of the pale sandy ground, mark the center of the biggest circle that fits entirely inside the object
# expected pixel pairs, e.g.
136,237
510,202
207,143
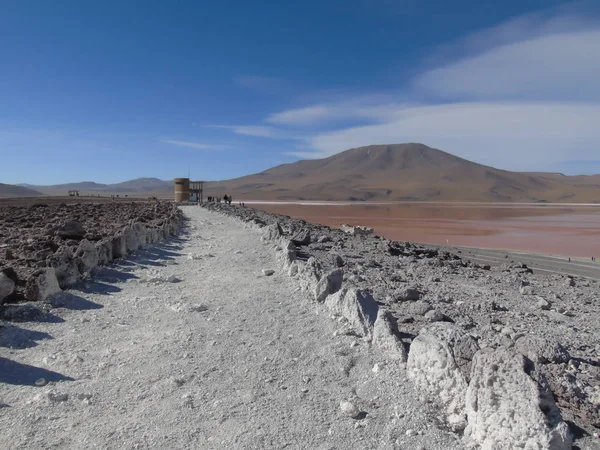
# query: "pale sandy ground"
224,358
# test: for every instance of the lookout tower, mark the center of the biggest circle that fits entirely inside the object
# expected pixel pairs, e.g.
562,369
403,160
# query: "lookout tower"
186,190
182,189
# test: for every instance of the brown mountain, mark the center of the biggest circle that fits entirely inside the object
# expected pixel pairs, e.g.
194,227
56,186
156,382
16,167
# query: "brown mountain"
10,190
405,172
138,187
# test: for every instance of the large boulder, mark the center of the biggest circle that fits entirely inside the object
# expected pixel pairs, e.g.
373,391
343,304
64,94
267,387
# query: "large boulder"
140,234
509,405
7,286
65,267
439,363
71,229
43,285
86,256
131,240
357,306
104,250
410,293
302,237
119,246
335,259
289,254
309,274
273,231
542,350
329,284
385,338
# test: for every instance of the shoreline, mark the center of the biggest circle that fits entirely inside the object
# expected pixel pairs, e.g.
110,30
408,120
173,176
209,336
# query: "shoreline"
429,203
549,230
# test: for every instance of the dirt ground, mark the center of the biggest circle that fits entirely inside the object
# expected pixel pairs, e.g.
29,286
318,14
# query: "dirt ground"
28,201
189,345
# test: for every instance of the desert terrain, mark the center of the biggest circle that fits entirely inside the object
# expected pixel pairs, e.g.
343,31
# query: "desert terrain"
255,330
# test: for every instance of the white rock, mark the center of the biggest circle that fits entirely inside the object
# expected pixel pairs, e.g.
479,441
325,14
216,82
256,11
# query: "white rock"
542,303
7,286
57,397
329,284
65,267
527,290
86,256
268,272
44,286
439,364
434,315
41,382
385,338
507,408
349,408
357,306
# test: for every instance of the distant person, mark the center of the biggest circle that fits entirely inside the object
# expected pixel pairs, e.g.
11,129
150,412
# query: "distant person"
569,259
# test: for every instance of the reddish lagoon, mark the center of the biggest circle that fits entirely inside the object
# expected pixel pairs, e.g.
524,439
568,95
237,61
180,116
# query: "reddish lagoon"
558,229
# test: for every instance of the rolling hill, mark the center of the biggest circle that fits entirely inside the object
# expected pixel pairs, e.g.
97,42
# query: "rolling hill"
10,190
397,172
405,172
139,186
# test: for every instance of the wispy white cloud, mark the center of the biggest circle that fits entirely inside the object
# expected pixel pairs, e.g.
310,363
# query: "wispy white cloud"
356,108
249,130
195,145
516,136
253,130
563,66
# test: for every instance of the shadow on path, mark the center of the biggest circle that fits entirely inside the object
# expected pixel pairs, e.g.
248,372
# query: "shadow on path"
28,312
12,336
98,287
12,372
72,301
112,274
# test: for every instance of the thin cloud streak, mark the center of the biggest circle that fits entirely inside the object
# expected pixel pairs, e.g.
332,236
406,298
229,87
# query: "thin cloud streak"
188,144
358,108
249,130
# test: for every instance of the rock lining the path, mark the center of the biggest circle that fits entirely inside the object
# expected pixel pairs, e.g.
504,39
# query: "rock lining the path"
51,248
481,311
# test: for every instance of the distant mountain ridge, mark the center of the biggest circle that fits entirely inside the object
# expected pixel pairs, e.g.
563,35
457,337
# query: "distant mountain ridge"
405,172
395,172
11,190
139,185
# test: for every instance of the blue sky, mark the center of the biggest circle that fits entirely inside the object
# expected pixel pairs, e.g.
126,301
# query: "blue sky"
115,90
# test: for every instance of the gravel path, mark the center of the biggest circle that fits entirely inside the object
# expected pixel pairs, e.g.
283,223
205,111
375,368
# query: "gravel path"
189,345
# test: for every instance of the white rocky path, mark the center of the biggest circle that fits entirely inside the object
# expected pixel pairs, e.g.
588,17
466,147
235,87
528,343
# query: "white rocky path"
189,345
